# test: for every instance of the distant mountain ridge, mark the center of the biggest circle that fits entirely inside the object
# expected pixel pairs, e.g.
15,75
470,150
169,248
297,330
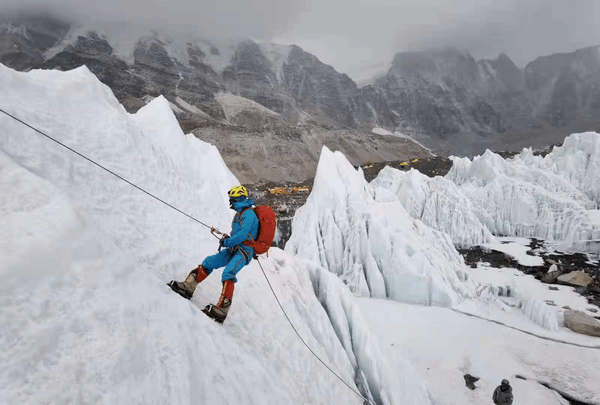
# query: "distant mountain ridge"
268,108
468,105
446,99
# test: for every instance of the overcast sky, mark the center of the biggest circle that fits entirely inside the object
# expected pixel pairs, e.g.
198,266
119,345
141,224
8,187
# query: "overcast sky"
353,35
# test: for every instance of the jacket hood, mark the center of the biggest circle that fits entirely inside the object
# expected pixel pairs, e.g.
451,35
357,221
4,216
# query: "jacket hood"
239,206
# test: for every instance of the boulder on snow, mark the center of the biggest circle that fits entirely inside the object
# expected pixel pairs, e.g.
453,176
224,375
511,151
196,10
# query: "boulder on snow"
575,278
553,268
582,323
550,277
470,381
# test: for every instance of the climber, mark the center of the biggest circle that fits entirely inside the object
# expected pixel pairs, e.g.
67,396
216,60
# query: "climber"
503,394
238,253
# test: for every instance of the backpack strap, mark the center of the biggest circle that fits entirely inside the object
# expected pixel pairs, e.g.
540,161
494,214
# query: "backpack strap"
249,243
238,216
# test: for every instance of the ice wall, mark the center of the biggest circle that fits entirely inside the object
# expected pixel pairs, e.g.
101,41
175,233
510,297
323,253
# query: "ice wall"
365,353
438,203
366,237
577,161
522,197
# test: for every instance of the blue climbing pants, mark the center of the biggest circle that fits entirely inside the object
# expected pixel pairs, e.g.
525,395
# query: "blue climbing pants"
233,260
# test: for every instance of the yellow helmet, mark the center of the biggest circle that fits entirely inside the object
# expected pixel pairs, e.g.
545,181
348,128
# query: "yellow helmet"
238,191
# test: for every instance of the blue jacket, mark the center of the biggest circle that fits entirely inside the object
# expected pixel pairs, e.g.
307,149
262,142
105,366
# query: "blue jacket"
243,226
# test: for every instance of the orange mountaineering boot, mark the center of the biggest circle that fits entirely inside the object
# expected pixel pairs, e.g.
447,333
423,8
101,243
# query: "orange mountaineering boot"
219,312
187,287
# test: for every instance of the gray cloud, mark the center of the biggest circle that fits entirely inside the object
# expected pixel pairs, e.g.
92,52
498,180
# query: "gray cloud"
359,35
523,29
257,19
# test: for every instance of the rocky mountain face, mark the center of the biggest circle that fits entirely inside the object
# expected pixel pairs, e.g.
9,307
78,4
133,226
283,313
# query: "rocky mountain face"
464,105
22,47
448,93
268,108
446,99
566,87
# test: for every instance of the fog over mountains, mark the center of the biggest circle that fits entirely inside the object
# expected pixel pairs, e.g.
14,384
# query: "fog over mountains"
446,99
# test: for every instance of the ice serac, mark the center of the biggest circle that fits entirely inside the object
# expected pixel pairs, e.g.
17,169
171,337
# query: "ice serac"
365,236
373,372
577,161
438,203
86,315
548,198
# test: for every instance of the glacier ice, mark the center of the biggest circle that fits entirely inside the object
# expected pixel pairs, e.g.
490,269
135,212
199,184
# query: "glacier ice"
86,315
577,161
547,197
362,347
544,197
366,237
438,203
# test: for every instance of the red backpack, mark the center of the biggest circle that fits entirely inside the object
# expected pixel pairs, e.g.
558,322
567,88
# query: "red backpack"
267,224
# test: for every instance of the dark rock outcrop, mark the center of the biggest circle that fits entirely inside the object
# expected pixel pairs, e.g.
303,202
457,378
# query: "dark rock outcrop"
470,381
465,106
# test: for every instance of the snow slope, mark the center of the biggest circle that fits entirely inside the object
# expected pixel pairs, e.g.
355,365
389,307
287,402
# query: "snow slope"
233,105
445,345
365,236
531,307
516,248
86,315
381,131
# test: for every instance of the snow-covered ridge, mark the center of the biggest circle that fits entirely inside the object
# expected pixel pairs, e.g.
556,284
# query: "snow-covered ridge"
365,236
233,105
86,316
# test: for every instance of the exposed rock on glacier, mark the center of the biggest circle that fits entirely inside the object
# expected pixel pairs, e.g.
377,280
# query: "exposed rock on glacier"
366,237
575,279
437,202
581,322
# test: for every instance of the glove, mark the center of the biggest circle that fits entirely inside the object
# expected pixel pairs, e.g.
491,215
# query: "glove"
222,242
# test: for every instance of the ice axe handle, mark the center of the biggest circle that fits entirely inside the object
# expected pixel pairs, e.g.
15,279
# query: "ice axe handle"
216,233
